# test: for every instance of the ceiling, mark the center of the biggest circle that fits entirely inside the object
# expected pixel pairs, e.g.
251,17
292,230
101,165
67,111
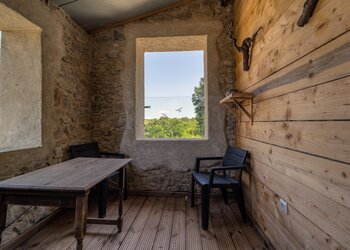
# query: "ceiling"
92,14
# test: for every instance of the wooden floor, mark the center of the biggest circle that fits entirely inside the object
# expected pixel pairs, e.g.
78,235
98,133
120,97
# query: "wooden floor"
155,223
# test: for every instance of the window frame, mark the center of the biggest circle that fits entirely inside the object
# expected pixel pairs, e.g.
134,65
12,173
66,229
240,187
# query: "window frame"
21,82
166,44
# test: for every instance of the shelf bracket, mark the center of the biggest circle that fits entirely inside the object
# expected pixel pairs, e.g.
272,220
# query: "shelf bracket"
237,99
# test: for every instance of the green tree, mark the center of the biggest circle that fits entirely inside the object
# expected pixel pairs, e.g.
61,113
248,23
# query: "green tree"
165,127
199,108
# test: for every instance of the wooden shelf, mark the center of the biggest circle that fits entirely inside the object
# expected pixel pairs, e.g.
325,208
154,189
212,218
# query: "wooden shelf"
236,99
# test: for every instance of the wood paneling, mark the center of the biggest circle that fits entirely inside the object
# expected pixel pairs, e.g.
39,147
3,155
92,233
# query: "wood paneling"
323,212
285,42
329,139
327,177
328,101
302,230
300,138
325,64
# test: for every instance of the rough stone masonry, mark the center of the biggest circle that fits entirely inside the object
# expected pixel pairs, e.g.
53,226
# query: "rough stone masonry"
160,165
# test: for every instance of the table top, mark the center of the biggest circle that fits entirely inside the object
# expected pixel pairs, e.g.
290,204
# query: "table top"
76,175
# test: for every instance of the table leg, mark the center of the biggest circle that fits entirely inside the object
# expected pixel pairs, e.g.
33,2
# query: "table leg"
3,213
81,208
121,197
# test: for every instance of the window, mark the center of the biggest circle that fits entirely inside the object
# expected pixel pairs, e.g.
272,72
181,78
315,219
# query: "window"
171,88
20,82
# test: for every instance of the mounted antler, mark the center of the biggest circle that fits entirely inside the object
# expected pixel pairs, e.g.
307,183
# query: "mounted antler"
245,49
308,10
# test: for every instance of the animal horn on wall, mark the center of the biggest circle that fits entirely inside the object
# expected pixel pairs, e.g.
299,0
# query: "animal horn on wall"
245,48
308,10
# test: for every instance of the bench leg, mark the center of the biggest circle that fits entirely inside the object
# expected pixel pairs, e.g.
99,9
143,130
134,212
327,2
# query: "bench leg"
192,192
81,207
205,198
3,213
102,198
121,198
124,181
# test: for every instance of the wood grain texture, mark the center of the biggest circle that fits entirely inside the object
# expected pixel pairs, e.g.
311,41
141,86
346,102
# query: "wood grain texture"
150,230
97,235
322,211
193,230
149,224
324,176
162,240
327,101
116,239
220,228
79,174
299,142
293,42
303,231
326,139
135,231
178,232
238,237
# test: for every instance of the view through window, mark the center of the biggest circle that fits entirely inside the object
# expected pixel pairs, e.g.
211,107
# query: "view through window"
174,94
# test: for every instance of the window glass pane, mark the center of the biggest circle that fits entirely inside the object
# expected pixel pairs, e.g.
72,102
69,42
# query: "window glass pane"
174,94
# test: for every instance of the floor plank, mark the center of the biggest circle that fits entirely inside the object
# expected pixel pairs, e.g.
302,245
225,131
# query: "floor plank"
208,237
97,235
162,240
133,235
224,241
116,239
238,237
150,230
250,232
178,232
193,231
155,223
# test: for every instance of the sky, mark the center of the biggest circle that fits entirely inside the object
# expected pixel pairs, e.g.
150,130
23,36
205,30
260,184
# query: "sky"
170,78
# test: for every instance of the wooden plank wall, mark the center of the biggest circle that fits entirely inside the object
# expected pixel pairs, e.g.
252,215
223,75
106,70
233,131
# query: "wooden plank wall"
300,139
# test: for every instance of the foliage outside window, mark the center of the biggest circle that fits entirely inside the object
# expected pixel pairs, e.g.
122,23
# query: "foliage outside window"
171,99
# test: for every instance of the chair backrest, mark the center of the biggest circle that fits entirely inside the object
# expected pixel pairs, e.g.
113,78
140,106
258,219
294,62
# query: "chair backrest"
234,157
85,150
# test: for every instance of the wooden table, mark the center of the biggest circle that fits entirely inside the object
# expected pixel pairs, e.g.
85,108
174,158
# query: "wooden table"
66,184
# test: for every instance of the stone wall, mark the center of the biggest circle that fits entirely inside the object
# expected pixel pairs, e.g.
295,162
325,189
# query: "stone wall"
160,165
66,58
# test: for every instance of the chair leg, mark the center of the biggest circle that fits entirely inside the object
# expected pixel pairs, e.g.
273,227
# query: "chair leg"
240,200
102,198
205,198
192,192
224,195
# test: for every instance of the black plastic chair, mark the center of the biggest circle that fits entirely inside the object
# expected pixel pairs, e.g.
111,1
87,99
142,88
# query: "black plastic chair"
234,159
92,150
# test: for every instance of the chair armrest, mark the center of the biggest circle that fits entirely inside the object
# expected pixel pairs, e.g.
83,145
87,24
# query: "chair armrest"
115,155
214,169
199,159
